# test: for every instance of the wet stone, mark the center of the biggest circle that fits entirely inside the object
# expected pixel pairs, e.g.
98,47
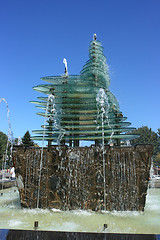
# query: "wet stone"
72,178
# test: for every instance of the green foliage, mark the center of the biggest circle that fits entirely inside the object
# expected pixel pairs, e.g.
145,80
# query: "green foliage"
16,141
26,140
147,136
157,160
3,143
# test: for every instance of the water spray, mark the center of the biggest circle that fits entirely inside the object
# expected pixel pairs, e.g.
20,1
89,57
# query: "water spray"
66,68
10,134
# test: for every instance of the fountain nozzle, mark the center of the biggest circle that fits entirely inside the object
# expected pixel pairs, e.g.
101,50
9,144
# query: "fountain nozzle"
105,227
36,225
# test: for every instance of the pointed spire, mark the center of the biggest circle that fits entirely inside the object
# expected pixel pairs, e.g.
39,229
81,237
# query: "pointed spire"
94,37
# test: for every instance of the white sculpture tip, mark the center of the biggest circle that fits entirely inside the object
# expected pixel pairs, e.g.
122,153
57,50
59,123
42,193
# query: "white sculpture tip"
94,36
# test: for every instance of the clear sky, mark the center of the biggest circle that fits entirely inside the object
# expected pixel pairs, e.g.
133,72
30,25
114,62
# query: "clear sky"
35,36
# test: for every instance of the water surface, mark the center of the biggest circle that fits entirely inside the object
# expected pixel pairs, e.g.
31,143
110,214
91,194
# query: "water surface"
12,216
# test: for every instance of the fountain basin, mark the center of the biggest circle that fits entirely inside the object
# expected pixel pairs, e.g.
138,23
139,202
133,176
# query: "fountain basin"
31,234
125,222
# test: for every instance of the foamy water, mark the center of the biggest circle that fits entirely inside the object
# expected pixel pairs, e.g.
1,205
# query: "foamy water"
12,216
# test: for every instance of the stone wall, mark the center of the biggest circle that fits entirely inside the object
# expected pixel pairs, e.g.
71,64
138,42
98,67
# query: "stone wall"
72,178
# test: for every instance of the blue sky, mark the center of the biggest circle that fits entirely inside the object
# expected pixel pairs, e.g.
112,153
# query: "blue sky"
35,36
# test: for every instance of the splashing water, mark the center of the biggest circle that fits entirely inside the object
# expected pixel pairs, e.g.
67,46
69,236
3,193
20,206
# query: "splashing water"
19,140
49,100
152,183
104,106
66,68
54,119
128,143
10,135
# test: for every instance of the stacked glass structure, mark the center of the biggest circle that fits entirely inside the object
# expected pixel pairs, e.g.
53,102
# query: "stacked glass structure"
81,107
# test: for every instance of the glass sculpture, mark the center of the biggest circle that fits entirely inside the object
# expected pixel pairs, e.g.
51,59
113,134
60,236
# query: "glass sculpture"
81,107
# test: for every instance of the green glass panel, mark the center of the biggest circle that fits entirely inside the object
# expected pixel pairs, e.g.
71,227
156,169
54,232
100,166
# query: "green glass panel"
77,115
117,120
111,127
86,132
90,126
122,137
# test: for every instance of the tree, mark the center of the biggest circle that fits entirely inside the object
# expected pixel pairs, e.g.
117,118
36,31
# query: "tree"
147,136
3,144
16,141
157,160
26,140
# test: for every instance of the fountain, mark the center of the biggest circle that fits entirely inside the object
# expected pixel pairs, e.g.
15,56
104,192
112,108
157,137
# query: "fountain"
72,192
65,176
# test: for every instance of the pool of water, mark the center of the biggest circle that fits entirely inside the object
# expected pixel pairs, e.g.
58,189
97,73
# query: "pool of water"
12,216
